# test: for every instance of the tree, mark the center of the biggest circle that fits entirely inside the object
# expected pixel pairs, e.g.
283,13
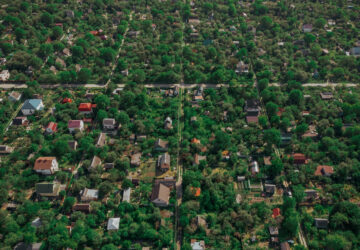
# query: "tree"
61,147
84,75
266,23
47,19
272,136
108,54
337,242
309,38
45,50
296,96
20,33
263,84
139,76
102,101
299,193
320,23
105,188
271,109
77,51
68,203
222,140
57,32
276,167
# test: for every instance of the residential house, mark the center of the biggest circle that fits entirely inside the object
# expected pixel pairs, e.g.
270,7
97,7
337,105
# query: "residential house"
200,221
88,195
61,62
163,162
161,145
101,140
69,13
75,125
323,170
326,95
311,195
30,106
241,68
274,231
267,160
133,34
197,245
20,120
14,96
109,124
160,195
276,212
252,119
194,21
73,144
66,52
307,28
321,223
284,246
254,167
109,165
26,246
46,165
252,107
270,189
136,159
126,195
198,158
113,224
168,123
4,75
285,138
51,128
36,222
82,207
96,161
66,100
355,51
47,189
86,108
299,158
6,149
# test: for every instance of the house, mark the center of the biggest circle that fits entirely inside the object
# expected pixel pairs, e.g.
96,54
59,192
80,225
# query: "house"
73,144
20,120
6,149
252,107
109,165
274,231
30,106
69,13
194,21
200,221
267,161
75,125
47,189
113,224
323,170
161,145
198,98
61,62
4,75
126,195
160,195
276,212
355,51
163,162
82,207
51,128
326,95
252,119
168,123
196,191
36,222
311,195
285,138
136,159
86,108
101,140
46,165
254,167
197,245
96,161
26,246
66,52
14,96
299,158
133,34
321,223
198,158
285,246
241,68
108,124
88,195
270,189
307,28
66,100
195,141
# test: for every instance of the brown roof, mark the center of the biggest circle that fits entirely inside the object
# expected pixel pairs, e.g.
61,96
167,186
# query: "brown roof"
252,119
161,192
324,170
43,163
96,161
101,140
82,207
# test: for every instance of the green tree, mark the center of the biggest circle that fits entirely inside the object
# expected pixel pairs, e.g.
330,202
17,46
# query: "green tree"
45,50
102,101
296,96
20,33
47,19
272,136
84,75
57,32
108,54
77,51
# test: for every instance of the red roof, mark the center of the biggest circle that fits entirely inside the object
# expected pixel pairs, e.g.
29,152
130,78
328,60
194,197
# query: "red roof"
85,107
276,212
74,123
196,191
252,119
299,156
66,100
52,126
324,170
59,24
94,32
280,111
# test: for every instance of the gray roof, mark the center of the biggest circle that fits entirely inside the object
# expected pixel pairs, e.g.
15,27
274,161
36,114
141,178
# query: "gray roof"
113,224
126,195
321,223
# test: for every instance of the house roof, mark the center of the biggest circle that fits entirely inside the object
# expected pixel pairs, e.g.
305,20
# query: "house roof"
321,223
96,161
16,95
299,156
126,195
66,100
32,104
136,159
161,192
52,126
82,207
85,107
324,170
164,161
47,188
90,193
276,212
109,122
43,163
252,119
196,191
113,224
101,140
74,123
161,144
273,230
72,144
284,246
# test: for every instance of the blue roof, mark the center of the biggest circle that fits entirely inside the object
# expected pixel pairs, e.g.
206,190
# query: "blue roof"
32,104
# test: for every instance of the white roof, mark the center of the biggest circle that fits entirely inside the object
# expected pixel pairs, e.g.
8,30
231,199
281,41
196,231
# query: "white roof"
113,224
126,195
